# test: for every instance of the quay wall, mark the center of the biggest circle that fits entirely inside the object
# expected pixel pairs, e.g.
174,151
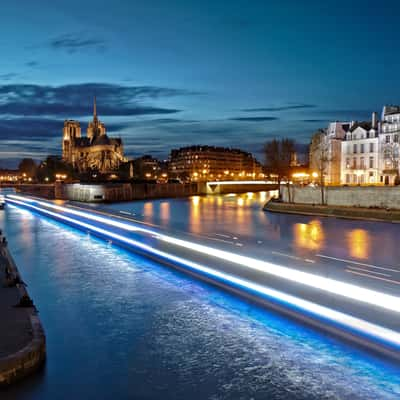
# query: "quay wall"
351,196
112,192
30,357
46,191
126,191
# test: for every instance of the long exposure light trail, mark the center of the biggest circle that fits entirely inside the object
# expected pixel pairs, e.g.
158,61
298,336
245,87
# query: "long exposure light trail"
353,324
333,286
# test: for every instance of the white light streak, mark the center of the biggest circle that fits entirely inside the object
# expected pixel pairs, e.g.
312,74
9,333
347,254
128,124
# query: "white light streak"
347,290
329,285
354,324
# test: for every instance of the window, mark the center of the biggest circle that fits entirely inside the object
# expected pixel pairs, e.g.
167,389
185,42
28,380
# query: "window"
387,139
396,138
371,147
347,178
347,162
354,162
371,162
362,164
362,148
354,148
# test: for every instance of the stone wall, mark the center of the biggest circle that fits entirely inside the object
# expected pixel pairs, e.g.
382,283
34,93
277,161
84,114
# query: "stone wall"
126,191
31,356
359,196
40,190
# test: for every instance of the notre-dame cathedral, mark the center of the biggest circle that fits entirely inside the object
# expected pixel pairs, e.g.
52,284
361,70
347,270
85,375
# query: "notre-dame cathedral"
96,151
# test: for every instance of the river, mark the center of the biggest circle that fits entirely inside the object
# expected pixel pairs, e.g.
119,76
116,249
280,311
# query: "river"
120,326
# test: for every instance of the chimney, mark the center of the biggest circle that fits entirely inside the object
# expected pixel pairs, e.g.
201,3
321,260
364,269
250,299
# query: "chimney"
374,120
352,124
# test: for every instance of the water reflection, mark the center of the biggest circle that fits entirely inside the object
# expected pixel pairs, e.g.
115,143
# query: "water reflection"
165,212
194,216
359,242
309,236
259,231
148,210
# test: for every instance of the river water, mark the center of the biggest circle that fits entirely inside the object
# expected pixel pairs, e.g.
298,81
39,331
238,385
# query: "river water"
120,326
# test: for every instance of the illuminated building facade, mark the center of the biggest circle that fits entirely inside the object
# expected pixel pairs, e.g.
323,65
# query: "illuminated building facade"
11,176
203,163
389,147
96,151
364,153
360,154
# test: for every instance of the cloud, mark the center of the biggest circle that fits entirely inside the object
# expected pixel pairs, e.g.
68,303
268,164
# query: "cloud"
74,42
314,120
31,64
8,76
253,119
280,108
29,128
76,99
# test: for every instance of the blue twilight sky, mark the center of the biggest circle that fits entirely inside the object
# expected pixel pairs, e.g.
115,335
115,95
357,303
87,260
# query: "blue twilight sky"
169,73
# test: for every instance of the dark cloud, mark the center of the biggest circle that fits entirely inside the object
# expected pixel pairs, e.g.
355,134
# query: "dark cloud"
73,43
8,77
76,100
32,64
280,108
253,119
314,120
29,128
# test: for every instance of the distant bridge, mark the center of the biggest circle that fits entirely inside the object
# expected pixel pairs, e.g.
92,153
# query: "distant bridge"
218,187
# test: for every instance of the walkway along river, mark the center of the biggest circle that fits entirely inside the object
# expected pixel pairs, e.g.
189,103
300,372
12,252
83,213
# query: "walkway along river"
185,335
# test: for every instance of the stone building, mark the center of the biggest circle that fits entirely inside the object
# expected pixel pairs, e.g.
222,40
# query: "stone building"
389,147
204,163
360,154
94,152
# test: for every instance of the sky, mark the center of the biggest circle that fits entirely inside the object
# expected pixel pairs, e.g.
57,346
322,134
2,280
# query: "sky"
171,73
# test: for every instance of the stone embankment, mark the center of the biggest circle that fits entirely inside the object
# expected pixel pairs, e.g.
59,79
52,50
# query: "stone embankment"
382,197
362,213
22,338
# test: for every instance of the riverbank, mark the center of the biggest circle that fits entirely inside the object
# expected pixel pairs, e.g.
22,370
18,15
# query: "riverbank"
359,213
22,338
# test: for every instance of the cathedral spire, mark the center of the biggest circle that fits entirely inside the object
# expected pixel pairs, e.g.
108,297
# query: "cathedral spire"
94,109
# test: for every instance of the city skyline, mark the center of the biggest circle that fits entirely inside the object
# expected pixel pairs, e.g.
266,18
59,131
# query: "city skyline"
173,74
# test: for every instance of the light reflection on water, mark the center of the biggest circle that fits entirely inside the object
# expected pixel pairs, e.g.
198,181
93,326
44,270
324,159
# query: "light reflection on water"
119,326
359,242
309,236
241,215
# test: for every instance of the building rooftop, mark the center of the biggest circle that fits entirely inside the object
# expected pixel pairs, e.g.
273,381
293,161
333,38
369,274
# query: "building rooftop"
206,148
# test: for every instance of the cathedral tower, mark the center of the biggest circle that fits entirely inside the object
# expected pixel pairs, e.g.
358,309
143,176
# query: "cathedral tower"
71,131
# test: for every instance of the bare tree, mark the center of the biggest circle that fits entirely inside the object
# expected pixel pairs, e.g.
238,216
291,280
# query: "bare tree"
320,157
391,156
278,157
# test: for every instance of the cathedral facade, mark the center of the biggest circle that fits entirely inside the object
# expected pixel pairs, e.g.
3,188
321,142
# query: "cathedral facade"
93,152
